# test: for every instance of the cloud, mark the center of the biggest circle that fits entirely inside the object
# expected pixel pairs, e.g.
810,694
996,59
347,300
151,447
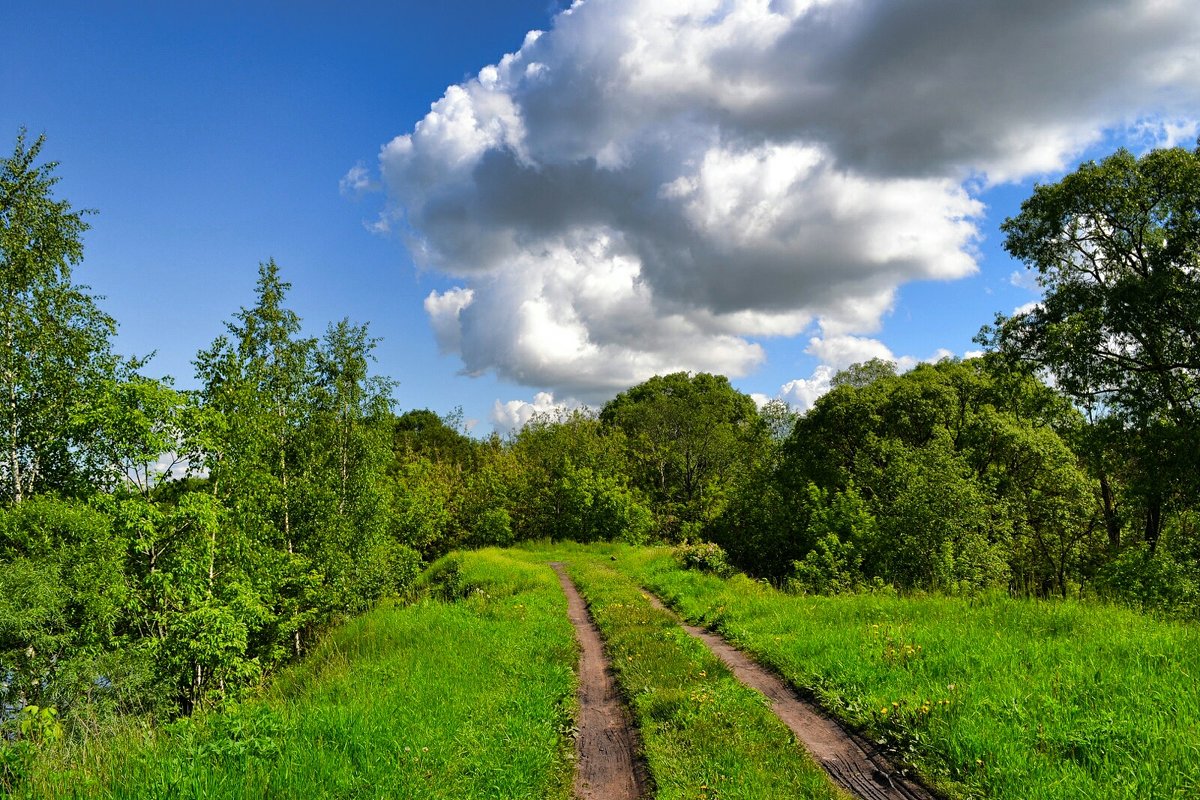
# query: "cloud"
1025,308
511,416
840,352
803,393
1024,279
652,186
357,181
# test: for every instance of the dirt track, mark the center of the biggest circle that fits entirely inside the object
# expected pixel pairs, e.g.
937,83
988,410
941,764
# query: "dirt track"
606,746
852,762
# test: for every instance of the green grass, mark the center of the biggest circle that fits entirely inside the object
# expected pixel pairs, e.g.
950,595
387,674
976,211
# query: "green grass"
473,699
704,734
990,697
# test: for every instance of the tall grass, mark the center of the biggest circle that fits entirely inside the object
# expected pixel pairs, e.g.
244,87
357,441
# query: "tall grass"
704,734
471,699
990,697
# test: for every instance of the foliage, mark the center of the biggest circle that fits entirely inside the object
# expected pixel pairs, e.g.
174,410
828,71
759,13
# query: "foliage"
1156,583
1116,246
63,594
955,476
705,556
473,699
686,435
56,342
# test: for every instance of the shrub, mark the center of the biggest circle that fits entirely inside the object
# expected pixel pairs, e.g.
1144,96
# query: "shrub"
1155,583
444,580
704,556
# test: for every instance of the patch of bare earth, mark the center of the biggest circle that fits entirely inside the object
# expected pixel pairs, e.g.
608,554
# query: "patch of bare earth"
607,765
852,762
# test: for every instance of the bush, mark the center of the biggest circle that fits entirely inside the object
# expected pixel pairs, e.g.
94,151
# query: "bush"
493,528
832,567
1155,583
704,556
443,580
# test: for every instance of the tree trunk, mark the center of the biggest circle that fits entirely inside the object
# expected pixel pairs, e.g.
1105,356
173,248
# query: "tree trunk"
1112,523
287,522
1153,523
212,560
14,460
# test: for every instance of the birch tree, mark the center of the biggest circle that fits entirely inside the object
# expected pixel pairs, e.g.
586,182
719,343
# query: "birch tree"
55,341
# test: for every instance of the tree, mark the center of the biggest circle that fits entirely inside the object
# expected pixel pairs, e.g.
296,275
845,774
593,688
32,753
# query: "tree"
1116,246
258,384
953,476
686,435
136,426
56,342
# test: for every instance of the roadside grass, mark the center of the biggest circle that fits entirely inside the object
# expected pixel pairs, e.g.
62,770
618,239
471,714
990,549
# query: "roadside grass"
988,697
704,734
470,699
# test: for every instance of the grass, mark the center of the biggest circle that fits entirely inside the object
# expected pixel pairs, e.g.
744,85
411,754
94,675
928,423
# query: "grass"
988,697
472,699
704,734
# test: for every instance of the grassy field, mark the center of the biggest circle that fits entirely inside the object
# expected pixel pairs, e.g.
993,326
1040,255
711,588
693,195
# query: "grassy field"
704,734
473,695
473,699
990,697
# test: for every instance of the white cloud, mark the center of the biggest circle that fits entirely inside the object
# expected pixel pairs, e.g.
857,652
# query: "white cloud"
651,185
1024,279
512,415
445,310
841,352
1025,308
357,180
803,393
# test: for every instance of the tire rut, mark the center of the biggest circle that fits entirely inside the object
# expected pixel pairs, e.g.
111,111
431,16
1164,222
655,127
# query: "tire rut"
851,761
607,764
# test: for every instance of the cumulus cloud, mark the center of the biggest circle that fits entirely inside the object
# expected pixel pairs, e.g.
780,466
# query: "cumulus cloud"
511,416
652,186
1025,308
802,393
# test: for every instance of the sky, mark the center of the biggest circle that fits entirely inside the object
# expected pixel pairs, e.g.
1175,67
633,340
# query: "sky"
536,204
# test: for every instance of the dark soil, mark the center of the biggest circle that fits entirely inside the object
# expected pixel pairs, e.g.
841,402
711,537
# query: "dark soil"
606,745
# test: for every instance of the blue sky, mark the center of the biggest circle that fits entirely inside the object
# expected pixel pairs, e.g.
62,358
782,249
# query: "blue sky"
212,136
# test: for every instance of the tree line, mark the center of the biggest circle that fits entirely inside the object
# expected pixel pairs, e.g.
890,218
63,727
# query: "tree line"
1061,463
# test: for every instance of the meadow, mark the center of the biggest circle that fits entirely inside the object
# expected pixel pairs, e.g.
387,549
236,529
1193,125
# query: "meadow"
704,734
986,696
469,692
467,699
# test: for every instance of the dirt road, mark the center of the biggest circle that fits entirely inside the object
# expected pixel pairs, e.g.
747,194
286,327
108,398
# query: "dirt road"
852,762
606,746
